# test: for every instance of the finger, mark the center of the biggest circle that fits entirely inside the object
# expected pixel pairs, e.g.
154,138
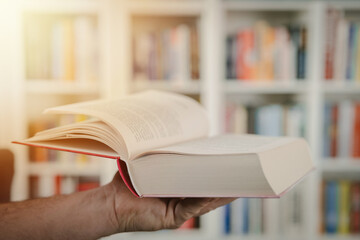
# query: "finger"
189,207
218,202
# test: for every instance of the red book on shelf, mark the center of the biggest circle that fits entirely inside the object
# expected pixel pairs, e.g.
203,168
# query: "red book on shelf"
87,186
331,28
245,57
333,133
356,132
355,208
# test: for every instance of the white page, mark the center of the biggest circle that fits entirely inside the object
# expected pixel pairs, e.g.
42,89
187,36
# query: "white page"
226,144
147,120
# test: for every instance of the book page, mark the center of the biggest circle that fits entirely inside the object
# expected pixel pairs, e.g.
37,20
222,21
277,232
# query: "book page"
226,144
147,120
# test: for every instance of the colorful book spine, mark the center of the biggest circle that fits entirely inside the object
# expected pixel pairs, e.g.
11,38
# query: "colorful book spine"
266,53
341,204
171,54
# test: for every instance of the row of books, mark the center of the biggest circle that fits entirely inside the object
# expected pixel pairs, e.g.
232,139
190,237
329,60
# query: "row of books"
49,185
247,216
171,54
263,52
341,207
271,119
46,155
341,135
342,50
62,48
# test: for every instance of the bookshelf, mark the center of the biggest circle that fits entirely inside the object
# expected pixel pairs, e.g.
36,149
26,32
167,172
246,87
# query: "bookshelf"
117,23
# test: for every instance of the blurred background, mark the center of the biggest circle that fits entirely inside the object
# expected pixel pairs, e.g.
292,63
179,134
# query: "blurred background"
266,67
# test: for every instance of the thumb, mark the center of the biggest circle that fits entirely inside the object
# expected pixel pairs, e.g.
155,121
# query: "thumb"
190,207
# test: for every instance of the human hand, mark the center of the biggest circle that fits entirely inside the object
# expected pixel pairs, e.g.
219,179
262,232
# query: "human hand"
150,214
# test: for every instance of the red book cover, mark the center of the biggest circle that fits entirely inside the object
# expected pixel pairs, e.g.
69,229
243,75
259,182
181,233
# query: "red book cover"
334,126
189,224
331,28
356,132
355,208
57,185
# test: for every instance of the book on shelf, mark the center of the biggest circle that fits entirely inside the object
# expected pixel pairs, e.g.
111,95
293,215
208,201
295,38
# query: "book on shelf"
161,144
48,185
264,53
272,120
269,119
341,132
171,54
62,48
341,206
342,51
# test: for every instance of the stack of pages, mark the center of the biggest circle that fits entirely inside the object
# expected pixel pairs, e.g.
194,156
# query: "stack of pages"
162,145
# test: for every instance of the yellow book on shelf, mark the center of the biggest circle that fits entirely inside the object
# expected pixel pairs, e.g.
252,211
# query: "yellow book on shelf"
344,207
69,54
357,69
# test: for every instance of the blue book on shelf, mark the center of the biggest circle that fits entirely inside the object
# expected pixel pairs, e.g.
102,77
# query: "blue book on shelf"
245,229
331,202
227,219
351,53
269,120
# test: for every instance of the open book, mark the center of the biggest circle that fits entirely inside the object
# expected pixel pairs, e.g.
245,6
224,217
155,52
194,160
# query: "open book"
161,144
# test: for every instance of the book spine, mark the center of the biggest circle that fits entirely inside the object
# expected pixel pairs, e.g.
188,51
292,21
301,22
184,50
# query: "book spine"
331,205
237,216
344,207
355,208
227,219
344,131
352,37
333,131
356,132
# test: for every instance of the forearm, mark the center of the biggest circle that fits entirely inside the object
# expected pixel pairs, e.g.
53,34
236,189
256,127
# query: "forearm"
84,215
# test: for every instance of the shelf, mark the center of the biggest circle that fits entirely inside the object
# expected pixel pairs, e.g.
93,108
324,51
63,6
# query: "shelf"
345,5
232,5
341,87
164,7
334,165
185,87
60,87
55,168
340,237
58,6
247,87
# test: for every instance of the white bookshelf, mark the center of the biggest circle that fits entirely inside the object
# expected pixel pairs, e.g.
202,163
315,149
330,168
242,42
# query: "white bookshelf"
215,18
269,87
61,87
